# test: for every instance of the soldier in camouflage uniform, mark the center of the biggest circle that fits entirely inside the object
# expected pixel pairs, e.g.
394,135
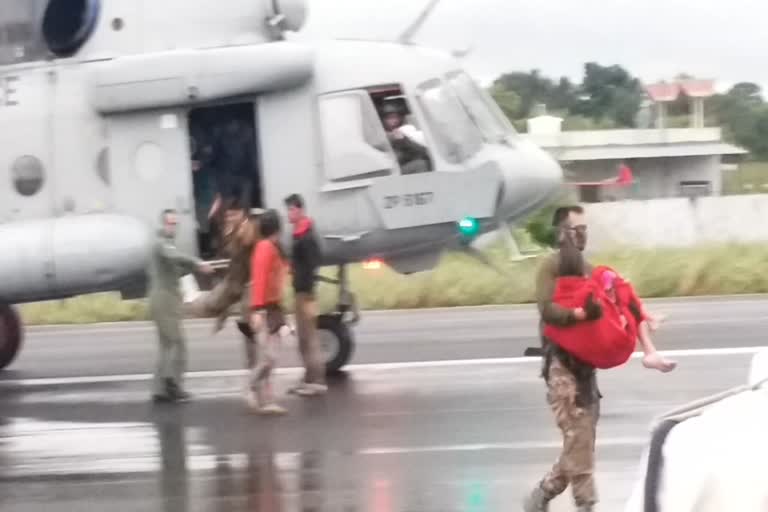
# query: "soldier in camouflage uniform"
572,391
167,266
241,234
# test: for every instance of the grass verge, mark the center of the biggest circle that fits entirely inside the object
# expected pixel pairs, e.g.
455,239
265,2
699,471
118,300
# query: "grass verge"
462,281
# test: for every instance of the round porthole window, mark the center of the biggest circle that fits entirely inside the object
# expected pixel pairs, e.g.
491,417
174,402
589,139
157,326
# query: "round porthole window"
67,24
28,175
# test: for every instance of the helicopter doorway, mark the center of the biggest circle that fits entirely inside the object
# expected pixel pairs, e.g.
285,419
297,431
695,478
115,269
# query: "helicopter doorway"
225,168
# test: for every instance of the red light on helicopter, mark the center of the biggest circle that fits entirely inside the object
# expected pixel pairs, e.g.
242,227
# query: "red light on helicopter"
374,264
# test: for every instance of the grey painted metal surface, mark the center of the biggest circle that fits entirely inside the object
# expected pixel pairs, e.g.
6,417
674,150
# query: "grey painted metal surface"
59,257
103,135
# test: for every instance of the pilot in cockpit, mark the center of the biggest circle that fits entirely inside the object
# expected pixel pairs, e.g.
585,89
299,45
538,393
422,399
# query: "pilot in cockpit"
407,141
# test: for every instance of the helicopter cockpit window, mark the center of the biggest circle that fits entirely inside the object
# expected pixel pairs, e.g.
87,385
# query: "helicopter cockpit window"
456,134
354,143
485,115
402,128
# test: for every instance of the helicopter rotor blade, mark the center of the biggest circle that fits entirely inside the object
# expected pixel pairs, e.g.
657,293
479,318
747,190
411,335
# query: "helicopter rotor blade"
408,34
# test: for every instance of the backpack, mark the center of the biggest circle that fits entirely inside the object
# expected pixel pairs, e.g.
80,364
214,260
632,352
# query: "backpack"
601,343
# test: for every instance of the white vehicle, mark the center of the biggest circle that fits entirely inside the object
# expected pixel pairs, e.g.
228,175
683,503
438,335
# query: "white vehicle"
711,455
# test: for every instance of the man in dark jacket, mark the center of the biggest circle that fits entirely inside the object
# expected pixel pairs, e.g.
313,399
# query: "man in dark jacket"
305,260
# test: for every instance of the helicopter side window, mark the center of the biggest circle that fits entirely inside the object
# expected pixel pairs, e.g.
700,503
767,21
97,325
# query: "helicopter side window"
456,134
487,117
405,136
354,143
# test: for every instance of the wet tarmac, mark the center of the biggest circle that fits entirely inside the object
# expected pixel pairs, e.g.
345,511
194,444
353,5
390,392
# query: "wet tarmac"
402,431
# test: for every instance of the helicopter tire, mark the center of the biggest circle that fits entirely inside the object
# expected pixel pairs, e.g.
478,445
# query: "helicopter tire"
11,335
337,342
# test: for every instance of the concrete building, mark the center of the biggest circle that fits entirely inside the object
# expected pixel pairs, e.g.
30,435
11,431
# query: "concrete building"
664,162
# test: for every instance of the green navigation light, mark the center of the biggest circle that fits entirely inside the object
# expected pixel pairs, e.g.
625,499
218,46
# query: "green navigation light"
469,227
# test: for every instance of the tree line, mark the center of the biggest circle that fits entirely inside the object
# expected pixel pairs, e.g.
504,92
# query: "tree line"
610,97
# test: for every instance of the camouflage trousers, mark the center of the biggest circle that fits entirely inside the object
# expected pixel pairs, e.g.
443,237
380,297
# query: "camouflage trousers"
577,423
217,303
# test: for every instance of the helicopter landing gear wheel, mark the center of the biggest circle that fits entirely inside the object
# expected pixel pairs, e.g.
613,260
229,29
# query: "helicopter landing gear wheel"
335,329
10,335
336,342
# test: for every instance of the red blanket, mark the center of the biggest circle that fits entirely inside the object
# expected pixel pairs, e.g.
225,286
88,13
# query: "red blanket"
601,343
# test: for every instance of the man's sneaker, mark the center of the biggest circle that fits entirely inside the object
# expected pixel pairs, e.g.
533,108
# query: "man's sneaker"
272,410
536,502
250,399
311,390
296,387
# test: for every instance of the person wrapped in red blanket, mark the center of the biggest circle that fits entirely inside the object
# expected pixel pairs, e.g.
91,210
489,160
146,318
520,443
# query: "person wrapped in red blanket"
602,343
609,340
639,321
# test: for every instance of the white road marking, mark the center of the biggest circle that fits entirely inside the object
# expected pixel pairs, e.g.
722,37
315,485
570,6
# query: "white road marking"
365,367
519,446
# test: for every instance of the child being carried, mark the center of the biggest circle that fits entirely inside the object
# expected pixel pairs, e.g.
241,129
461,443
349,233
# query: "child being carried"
610,339
637,320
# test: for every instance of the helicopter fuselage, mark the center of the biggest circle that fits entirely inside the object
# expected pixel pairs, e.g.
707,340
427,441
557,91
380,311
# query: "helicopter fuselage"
108,105
97,145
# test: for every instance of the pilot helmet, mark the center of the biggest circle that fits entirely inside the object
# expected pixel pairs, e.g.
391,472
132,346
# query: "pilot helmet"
390,108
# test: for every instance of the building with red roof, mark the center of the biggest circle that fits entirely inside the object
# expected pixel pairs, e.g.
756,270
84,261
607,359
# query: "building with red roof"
646,163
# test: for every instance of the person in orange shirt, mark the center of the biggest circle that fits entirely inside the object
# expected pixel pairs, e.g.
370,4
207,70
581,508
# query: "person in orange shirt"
268,273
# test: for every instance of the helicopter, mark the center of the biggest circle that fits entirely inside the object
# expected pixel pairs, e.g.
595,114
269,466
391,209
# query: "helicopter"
99,98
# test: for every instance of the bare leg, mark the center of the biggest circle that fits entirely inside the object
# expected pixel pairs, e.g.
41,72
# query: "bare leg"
651,358
261,376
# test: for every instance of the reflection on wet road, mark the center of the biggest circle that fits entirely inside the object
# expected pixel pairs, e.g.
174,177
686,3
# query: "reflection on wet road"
443,439
435,437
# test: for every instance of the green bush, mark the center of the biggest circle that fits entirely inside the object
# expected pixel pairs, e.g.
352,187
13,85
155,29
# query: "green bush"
462,281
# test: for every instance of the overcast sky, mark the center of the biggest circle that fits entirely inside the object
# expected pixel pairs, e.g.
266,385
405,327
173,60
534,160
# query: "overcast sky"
654,39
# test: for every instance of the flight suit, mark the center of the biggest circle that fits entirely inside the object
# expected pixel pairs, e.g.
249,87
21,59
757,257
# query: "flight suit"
167,266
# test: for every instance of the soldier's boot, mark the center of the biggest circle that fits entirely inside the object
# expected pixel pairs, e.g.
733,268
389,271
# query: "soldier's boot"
175,393
537,501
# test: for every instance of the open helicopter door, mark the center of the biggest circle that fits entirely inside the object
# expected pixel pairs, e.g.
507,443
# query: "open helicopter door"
150,162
